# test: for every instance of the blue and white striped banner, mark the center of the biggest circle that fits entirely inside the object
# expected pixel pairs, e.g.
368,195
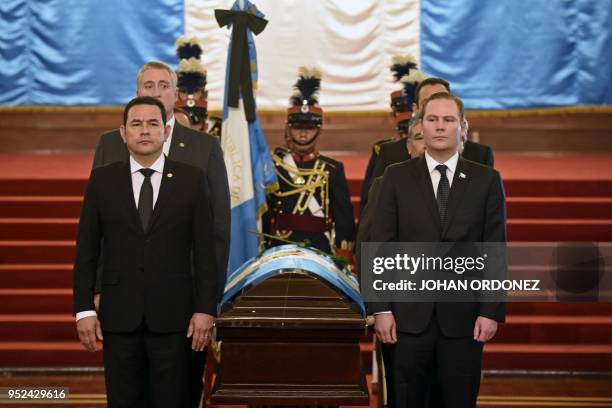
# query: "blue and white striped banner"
497,54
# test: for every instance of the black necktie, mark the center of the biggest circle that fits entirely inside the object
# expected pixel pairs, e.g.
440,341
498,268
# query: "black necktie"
442,193
145,200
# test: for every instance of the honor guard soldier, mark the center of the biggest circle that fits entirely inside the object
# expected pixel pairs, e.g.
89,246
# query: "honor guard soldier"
192,93
313,204
404,69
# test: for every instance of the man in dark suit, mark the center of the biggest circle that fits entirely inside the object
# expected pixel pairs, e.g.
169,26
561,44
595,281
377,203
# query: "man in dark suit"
439,197
159,284
185,145
403,149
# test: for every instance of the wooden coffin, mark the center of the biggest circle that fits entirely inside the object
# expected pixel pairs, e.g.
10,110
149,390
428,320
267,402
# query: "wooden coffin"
292,339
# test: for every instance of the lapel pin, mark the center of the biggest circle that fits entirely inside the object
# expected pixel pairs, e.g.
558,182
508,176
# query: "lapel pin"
169,175
182,144
462,175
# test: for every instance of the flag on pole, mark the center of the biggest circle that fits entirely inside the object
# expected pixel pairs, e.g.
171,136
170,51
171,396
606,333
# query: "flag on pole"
247,158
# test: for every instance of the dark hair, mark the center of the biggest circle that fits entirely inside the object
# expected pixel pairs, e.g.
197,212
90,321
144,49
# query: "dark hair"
429,82
444,95
144,100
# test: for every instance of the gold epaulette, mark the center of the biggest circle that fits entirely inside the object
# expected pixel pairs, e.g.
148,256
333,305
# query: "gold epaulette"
377,144
328,161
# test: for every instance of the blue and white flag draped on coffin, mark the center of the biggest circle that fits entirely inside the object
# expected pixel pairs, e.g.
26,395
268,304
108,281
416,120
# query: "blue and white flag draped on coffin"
288,259
247,157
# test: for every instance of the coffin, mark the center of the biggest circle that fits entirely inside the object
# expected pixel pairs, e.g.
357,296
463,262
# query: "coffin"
289,328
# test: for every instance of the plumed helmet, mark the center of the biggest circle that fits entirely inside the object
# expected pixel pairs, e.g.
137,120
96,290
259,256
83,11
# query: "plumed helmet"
305,110
191,79
404,69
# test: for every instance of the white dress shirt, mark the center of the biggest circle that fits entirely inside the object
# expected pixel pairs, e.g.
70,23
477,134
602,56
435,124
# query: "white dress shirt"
451,167
168,141
137,180
138,177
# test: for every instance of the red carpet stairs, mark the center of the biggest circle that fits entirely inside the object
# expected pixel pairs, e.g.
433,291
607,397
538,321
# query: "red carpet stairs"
39,216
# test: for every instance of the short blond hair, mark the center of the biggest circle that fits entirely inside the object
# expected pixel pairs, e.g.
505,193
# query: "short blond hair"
156,65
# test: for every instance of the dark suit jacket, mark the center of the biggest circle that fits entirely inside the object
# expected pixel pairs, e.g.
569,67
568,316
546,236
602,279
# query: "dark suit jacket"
478,153
407,212
200,150
146,273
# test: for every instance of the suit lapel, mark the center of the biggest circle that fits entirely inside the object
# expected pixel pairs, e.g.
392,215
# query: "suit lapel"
166,189
128,191
179,145
424,180
460,181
